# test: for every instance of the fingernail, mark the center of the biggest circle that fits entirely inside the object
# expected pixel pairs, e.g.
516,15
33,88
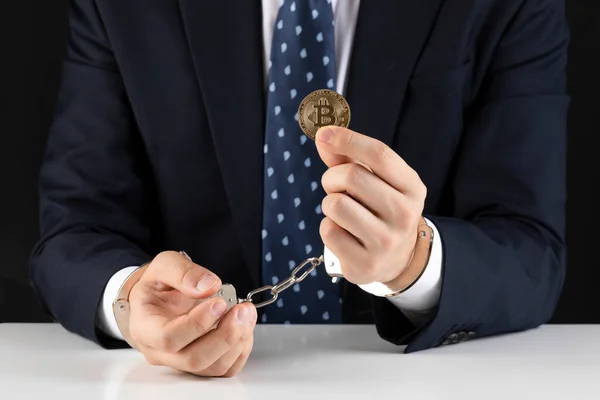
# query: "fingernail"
325,135
244,315
218,308
206,282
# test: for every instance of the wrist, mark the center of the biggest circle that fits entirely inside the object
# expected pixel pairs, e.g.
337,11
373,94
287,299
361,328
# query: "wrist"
413,271
106,316
121,305
417,263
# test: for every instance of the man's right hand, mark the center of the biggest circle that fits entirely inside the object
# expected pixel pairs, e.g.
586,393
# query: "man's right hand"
171,328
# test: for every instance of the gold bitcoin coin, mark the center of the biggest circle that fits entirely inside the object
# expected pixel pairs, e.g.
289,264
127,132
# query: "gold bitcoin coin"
321,108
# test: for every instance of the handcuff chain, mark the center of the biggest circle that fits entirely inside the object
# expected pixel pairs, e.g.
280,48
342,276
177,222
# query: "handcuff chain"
274,290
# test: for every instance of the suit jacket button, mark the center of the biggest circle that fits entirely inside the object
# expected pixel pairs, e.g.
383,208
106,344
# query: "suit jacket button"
470,335
462,336
452,338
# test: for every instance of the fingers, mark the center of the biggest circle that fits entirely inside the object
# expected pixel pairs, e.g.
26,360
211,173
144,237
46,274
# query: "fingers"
365,187
352,217
162,333
348,250
223,364
179,272
172,324
238,365
233,361
336,144
219,347
167,319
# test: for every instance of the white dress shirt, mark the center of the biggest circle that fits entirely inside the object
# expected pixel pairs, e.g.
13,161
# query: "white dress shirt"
417,302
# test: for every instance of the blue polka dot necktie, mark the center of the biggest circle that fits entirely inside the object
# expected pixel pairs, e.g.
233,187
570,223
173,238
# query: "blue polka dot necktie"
302,61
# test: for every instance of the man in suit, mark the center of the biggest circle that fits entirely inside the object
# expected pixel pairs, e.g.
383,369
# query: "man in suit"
175,130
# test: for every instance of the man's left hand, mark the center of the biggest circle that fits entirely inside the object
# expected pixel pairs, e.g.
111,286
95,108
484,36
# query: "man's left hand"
373,206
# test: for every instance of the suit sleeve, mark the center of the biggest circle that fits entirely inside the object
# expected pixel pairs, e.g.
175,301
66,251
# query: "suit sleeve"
504,245
95,193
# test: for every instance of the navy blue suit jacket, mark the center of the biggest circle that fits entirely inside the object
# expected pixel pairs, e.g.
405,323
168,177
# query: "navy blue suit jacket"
159,128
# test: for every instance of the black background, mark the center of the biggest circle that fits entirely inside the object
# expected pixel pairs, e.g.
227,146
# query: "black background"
32,36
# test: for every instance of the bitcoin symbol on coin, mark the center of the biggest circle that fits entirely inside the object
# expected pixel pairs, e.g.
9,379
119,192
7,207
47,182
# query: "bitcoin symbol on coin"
323,114
321,108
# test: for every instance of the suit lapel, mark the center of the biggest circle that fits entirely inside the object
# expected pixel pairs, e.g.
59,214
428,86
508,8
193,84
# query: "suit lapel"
225,39
388,40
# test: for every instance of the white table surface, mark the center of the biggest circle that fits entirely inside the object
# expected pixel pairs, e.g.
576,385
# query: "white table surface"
43,361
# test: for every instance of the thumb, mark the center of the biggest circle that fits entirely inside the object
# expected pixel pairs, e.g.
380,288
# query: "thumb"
179,272
329,158
329,154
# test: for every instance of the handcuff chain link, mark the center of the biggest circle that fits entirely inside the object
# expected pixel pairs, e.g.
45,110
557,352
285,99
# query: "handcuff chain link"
307,265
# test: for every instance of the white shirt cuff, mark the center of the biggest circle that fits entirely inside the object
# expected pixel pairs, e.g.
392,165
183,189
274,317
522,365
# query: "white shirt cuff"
424,295
106,318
